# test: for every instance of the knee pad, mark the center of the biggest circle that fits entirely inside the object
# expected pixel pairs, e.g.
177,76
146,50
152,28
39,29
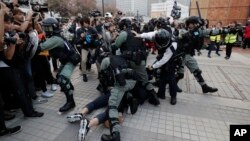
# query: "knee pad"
112,120
65,84
198,76
197,72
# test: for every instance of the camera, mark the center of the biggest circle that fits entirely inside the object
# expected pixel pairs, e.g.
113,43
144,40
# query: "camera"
176,11
94,13
10,3
39,5
9,38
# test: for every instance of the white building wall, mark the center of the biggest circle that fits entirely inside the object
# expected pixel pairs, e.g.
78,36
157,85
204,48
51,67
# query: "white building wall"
165,8
132,6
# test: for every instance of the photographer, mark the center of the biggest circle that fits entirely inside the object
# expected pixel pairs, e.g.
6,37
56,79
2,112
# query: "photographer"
3,129
11,76
86,38
27,24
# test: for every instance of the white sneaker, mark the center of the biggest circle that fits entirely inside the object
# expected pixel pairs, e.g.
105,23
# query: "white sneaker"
84,129
53,87
74,118
47,94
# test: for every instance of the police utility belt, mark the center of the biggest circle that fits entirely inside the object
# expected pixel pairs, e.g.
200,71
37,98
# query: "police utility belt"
136,56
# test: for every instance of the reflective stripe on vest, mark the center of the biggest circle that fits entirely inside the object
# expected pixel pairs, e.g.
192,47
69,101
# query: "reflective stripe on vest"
212,38
227,38
218,38
232,38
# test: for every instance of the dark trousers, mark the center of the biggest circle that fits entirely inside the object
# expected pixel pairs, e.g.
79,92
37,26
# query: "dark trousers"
229,49
246,43
167,77
54,63
213,46
42,72
218,47
99,102
2,123
11,82
27,78
102,101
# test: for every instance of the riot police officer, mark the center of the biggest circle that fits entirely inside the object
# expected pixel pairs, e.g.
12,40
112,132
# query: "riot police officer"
165,61
134,50
61,49
189,41
115,72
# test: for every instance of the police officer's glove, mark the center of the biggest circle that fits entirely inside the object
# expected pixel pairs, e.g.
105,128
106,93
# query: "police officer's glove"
150,74
120,78
201,22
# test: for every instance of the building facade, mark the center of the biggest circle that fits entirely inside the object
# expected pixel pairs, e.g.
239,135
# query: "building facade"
132,6
225,11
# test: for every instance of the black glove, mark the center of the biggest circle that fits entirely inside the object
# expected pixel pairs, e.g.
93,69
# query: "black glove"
201,22
120,78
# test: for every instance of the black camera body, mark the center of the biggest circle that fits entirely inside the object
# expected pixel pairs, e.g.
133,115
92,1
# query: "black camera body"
39,7
94,13
10,5
176,11
9,38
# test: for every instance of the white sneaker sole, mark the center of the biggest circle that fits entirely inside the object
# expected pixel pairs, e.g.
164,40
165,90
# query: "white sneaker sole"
73,119
83,130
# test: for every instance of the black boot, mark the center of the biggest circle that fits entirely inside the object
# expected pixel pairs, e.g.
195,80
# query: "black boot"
218,54
85,78
133,104
179,90
99,88
69,105
153,99
173,100
208,89
115,136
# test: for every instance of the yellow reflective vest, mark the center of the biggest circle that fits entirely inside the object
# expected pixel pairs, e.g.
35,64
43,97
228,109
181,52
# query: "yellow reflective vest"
231,38
213,38
218,38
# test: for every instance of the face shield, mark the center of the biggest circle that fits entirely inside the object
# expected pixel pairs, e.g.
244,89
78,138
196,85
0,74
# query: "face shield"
48,30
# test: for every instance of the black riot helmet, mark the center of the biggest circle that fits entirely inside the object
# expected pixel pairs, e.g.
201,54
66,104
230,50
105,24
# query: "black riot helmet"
51,27
162,39
161,23
124,23
194,20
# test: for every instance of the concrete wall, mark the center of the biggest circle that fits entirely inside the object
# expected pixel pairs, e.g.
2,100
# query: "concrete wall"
222,10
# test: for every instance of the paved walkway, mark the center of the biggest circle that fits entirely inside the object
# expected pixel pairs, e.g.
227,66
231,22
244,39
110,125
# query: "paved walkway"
196,117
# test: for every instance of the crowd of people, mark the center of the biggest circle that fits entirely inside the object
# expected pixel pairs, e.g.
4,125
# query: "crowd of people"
117,45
